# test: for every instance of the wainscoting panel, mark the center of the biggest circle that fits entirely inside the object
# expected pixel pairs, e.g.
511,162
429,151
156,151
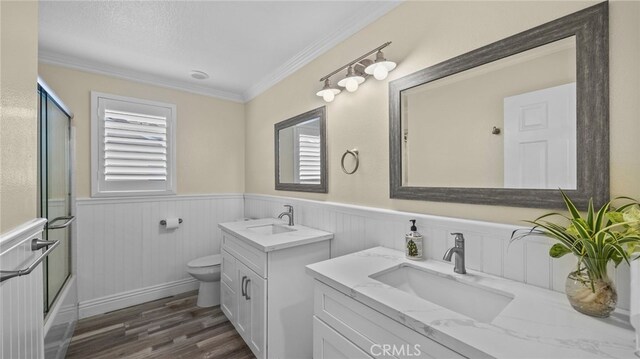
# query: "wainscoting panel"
488,248
21,305
125,254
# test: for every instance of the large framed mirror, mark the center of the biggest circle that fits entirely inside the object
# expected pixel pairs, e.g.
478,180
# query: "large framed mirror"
510,123
301,152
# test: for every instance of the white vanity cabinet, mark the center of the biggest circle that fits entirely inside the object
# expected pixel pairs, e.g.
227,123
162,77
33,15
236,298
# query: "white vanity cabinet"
372,298
267,295
346,328
251,315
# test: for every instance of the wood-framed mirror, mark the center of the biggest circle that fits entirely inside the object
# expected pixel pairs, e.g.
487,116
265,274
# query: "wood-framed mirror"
509,123
301,152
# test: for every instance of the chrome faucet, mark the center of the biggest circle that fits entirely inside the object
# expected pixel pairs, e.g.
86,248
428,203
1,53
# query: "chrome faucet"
458,250
288,213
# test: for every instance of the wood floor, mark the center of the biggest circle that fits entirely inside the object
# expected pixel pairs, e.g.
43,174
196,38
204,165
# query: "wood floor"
172,327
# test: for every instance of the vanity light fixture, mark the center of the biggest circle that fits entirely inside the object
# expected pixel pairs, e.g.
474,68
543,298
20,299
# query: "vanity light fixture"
357,72
328,93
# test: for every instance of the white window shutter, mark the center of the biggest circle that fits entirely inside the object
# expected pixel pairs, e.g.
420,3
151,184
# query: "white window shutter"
309,158
135,147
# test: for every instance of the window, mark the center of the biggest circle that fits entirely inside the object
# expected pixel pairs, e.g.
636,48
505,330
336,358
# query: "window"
133,146
308,169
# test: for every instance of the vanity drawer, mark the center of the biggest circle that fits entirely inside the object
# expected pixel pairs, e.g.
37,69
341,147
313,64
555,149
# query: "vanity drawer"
250,256
369,329
329,344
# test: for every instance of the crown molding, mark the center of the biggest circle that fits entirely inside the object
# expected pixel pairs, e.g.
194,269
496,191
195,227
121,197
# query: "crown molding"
53,58
357,22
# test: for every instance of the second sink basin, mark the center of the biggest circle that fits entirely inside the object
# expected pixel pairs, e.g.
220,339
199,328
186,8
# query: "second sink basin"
271,229
477,302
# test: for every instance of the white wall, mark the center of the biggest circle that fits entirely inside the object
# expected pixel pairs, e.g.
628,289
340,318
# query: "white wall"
125,257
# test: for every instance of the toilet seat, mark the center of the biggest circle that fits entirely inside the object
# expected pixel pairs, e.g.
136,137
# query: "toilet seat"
207,261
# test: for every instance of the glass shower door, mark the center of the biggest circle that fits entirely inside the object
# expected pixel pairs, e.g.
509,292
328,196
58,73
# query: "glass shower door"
55,194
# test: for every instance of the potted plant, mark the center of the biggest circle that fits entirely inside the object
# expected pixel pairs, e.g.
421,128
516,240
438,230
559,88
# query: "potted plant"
609,235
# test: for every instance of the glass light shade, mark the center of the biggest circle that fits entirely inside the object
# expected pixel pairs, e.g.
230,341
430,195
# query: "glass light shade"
352,80
380,73
328,93
380,62
351,84
358,80
328,96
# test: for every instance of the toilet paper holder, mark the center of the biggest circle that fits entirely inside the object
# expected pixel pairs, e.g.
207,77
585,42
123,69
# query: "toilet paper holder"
164,222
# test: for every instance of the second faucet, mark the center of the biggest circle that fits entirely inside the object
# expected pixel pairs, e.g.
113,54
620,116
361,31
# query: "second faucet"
288,213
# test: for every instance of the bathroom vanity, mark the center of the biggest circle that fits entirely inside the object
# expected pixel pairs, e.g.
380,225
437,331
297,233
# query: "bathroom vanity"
265,291
376,300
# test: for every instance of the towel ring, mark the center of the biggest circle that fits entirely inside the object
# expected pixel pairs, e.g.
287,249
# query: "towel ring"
354,153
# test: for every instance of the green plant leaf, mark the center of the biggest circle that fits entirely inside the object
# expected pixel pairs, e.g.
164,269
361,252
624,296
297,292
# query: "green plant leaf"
581,228
615,217
601,217
570,206
558,250
590,213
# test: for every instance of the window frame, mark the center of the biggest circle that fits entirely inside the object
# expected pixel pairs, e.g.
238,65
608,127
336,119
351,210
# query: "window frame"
99,186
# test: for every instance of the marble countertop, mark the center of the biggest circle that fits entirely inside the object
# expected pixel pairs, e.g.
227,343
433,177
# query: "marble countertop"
272,242
537,323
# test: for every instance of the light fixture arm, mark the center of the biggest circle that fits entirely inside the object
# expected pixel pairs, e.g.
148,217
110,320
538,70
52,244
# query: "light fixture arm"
355,61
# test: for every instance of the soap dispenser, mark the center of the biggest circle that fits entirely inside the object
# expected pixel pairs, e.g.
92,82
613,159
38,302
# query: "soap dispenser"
413,243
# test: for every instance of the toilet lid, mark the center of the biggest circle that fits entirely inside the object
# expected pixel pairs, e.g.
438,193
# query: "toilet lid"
205,261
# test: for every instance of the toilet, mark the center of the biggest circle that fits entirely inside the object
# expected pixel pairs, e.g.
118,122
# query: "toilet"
207,271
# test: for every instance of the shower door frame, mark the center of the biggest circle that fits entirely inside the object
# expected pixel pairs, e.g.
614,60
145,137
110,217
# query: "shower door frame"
61,316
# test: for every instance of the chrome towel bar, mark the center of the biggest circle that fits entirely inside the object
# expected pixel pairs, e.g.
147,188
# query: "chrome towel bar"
36,244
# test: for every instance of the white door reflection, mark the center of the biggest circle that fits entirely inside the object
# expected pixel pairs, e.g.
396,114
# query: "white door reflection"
540,139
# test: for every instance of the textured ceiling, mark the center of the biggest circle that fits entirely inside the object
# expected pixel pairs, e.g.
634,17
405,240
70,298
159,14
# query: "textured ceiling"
245,47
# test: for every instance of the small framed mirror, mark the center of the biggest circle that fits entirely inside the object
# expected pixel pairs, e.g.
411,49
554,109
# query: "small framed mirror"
509,123
301,152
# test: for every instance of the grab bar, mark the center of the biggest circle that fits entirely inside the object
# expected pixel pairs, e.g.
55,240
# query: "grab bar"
67,219
35,243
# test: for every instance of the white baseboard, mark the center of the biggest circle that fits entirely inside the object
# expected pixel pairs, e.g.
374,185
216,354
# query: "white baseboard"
126,299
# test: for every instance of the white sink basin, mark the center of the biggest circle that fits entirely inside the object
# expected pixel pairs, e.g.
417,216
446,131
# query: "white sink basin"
477,302
269,229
